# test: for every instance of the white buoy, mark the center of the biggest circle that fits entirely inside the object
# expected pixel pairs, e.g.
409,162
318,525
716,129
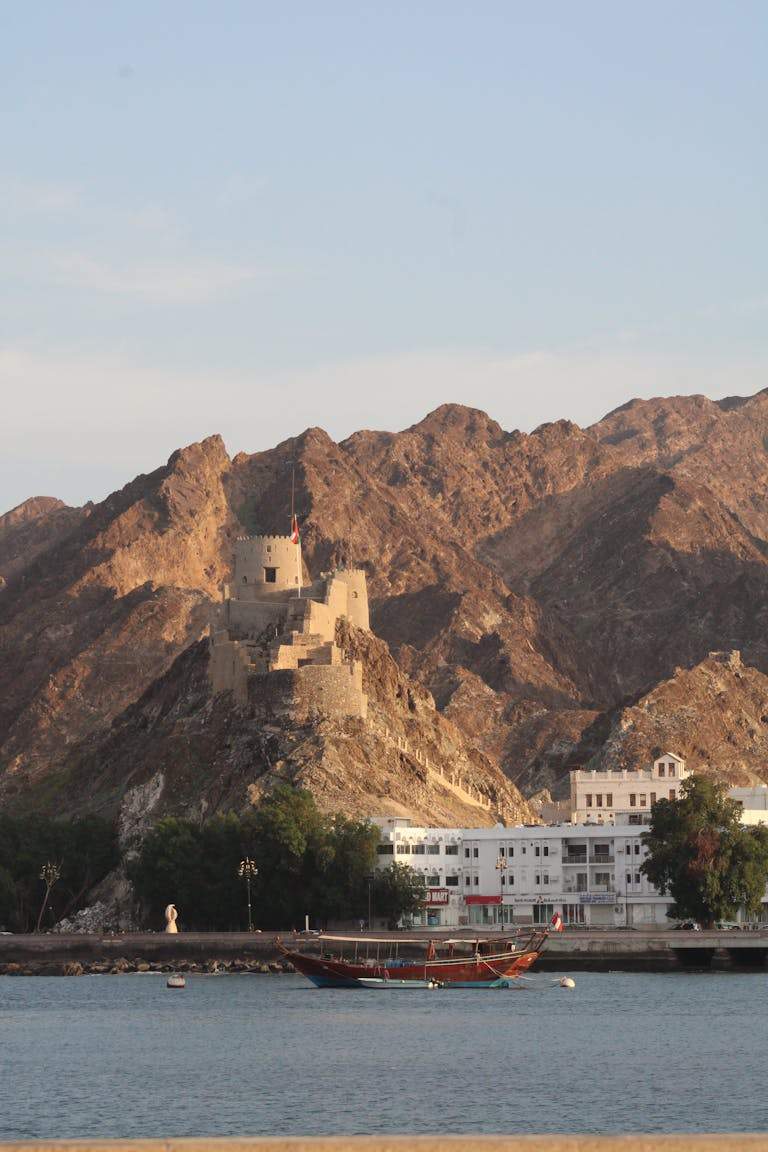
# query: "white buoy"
567,982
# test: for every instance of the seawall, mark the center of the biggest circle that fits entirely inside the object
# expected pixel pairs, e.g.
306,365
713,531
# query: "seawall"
588,951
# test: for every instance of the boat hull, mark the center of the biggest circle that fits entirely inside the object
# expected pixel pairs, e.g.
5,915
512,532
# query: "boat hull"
466,972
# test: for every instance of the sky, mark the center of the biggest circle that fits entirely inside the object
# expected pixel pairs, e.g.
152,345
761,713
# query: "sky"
252,218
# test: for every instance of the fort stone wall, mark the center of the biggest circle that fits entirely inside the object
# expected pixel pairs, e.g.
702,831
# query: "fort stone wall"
278,648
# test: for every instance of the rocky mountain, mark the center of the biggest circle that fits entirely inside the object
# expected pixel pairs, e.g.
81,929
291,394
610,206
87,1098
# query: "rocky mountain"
548,591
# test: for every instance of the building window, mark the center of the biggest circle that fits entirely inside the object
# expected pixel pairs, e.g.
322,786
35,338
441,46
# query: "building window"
403,849
466,853
418,849
602,879
537,850
501,850
510,878
599,800
672,794
629,877
609,800
503,879
653,798
537,878
451,881
475,853
511,851
632,800
270,575
643,798
524,849
466,881
269,547
546,877
433,849
433,881
637,877
543,913
546,849
476,881
671,770
581,881
245,579
637,849
662,770
385,849
588,799
450,849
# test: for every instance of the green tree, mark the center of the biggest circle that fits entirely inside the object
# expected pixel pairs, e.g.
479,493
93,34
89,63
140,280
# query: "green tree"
399,892
86,850
700,853
350,858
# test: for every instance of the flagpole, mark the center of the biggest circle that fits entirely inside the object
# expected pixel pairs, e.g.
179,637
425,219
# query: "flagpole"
295,529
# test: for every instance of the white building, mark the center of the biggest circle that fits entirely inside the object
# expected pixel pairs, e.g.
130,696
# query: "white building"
523,875
753,802
626,796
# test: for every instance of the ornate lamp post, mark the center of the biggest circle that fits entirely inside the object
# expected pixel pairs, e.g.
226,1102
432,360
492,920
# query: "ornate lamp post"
248,871
501,864
49,874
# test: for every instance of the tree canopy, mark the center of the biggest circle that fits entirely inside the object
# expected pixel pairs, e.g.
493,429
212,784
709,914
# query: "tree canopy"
308,863
700,853
85,850
400,892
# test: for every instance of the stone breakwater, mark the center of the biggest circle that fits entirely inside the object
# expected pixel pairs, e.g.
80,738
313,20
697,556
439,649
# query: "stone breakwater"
105,954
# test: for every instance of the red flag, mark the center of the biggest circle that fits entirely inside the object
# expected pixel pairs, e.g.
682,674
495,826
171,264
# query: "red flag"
295,531
557,922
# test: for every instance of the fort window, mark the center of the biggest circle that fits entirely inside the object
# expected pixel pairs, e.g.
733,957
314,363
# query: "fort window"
270,575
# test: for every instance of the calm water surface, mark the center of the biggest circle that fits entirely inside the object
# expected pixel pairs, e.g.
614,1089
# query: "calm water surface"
250,1055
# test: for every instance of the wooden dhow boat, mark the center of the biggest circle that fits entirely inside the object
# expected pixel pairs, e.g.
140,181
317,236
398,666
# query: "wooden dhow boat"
343,961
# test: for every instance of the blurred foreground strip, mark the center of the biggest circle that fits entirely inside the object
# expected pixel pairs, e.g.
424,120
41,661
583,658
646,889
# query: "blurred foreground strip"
468,1143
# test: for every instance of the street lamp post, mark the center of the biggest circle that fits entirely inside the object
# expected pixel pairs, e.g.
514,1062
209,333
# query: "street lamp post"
248,871
501,864
370,878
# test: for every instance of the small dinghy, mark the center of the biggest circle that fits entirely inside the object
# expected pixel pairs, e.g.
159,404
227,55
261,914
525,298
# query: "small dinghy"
175,981
378,983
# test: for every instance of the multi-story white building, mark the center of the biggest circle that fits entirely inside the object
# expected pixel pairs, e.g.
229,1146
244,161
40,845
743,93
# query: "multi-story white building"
626,796
519,876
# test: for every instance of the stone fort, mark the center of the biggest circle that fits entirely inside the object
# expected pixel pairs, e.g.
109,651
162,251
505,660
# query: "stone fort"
274,642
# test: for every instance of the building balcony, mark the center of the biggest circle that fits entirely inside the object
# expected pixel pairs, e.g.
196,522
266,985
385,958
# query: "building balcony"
574,858
600,859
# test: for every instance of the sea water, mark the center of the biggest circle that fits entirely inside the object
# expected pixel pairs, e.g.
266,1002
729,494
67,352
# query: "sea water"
111,1056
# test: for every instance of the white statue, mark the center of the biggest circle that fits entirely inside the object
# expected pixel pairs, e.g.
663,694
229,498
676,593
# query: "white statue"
170,918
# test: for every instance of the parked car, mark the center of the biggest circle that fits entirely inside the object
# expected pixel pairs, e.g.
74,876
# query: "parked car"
728,926
688,926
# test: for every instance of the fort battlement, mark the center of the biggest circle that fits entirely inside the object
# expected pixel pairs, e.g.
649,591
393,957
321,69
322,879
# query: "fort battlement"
276,639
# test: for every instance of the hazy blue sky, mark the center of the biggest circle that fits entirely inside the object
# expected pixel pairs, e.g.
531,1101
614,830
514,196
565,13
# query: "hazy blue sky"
250,218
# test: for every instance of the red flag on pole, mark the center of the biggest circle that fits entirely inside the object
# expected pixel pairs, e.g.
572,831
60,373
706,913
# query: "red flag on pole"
295,531
557,922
